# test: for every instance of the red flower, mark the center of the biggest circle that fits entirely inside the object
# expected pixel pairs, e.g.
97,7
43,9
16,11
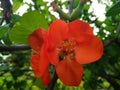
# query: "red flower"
70,46
39,60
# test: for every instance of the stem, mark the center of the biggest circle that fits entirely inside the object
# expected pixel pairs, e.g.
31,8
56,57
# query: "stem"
53,81
77,11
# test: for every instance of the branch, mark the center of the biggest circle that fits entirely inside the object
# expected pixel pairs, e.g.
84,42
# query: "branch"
70,6
85,1
109,42
115,38
7,11
14,48
118,30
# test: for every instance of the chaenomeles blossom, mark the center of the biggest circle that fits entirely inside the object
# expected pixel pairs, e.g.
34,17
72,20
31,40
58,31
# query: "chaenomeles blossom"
67,46
38,61
72,44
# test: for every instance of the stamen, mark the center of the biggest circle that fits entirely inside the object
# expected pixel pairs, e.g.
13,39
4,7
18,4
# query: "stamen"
66,48
72,56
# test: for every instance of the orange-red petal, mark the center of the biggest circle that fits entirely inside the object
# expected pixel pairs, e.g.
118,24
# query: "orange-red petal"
77,27
89,52
69,72
46,78
37,38
53,56
40,62
34,63
58,32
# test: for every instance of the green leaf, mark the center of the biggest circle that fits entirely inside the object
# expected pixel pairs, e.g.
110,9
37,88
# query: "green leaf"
1,58
27,24
16,5
75,3
3,30
40,2
38,84
114,10
35,88
6,39
3,67
15,18
106,84
87,74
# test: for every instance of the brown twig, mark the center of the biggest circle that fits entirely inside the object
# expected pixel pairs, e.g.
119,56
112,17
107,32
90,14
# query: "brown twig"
6,12
118,30
53,81
70,6
4,48
109,42
85,1
115,38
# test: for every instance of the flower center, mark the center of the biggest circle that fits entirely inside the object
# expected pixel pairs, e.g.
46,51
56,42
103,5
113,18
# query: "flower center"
66,49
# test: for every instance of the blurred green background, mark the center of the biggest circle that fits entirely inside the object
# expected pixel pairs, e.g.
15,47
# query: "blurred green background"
20,18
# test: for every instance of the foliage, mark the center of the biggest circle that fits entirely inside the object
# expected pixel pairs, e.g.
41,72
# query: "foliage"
115,8
28,25
15,70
